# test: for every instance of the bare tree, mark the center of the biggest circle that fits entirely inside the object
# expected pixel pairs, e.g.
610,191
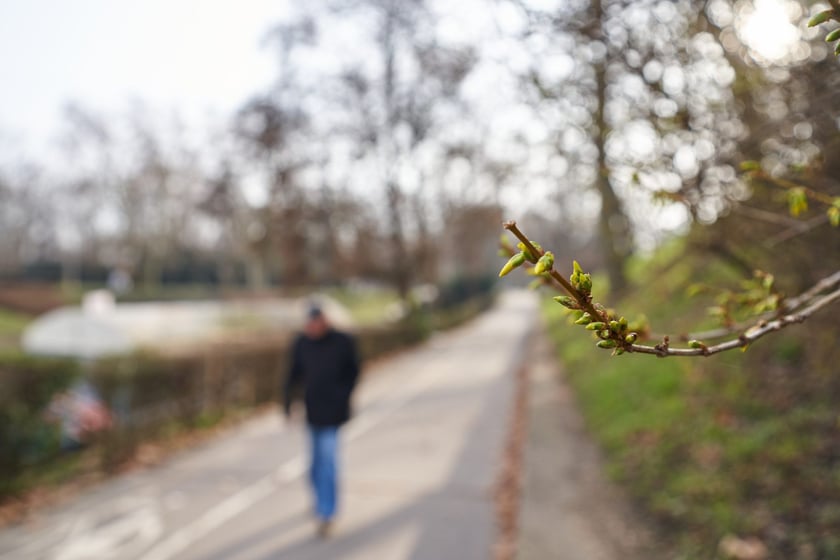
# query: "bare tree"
395,107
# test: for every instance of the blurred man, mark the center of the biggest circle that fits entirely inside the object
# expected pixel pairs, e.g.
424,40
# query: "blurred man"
325,362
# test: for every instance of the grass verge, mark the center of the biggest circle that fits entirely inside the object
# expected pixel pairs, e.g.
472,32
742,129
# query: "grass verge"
740,444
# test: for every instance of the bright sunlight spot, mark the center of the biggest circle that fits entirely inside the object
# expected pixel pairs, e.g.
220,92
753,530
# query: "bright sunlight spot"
767,28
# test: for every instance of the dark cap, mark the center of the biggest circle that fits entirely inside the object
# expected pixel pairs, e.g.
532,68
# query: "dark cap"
314,311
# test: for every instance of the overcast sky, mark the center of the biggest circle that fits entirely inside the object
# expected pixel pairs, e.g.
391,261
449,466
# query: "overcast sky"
192,55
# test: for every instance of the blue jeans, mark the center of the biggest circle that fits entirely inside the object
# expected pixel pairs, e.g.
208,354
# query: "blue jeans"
323,473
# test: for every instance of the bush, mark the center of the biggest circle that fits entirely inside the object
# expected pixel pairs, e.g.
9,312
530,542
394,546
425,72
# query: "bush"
152,394
27,386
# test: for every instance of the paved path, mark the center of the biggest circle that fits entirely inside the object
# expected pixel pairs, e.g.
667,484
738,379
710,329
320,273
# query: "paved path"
569,510
419,463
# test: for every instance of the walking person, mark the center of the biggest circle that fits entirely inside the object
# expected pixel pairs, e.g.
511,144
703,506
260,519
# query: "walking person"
325,363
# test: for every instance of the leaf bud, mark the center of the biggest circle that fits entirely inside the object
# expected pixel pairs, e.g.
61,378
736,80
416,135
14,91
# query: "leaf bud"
566,301
585,284
834,216
515,261
821,17
545,263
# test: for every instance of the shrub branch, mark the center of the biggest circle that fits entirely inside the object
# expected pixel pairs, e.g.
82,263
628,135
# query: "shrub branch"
613,331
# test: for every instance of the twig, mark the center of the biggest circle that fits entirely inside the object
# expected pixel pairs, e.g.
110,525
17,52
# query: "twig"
785,184
793,310
769,217
789,305
583,300
749,336
792,232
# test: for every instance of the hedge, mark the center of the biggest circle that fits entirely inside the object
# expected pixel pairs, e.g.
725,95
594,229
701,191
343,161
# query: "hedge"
150,393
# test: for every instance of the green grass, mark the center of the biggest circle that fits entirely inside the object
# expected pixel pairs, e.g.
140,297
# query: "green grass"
368,308
698,444
12,326
12,323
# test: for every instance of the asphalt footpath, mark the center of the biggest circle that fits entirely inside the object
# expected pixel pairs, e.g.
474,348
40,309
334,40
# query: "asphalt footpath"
569,509
418,466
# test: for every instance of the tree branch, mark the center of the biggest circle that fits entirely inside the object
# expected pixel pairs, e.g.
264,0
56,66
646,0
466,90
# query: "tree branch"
613,333
787,306
752,334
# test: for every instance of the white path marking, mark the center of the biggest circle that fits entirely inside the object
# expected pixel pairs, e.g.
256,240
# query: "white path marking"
249,496
118,531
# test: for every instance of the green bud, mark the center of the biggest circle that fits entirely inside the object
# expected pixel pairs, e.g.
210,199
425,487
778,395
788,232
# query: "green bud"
584,319
837,49
797,201
606,344
833,36
615,326
585,284
695,344
566,301
834,216
618,351
821,17
545,263
631,338
596,326
515,261
527,253
622,323
577,268
750,165
605,334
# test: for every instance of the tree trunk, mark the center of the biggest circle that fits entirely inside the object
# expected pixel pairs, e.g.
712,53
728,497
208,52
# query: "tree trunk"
615,236
400,273
255,271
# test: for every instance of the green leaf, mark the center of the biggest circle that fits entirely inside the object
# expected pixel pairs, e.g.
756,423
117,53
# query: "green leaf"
515,261
833,36
545,264
566,301
797,201
821,17
695,289
834,216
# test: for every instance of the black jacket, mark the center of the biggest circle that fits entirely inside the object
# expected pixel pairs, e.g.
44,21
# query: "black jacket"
327,368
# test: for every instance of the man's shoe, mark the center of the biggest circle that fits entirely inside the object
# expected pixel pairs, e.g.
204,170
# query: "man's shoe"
325,528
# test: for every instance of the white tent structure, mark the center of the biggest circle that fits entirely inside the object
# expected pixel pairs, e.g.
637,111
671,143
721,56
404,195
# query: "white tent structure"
99,327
